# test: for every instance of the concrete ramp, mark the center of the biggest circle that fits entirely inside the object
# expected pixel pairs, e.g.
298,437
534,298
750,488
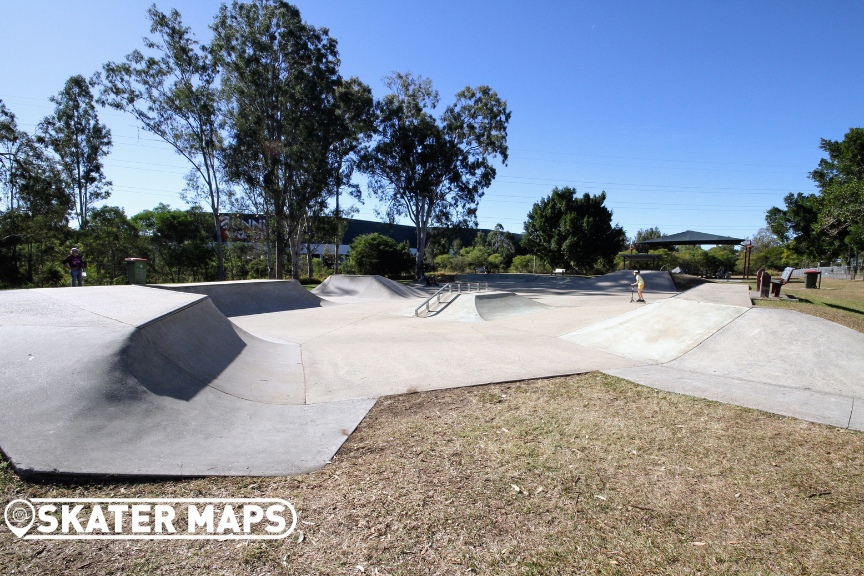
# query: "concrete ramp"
134,381
177,354
619,281
247,297
777,360
486,306
655,281
357,288
729,293
657,332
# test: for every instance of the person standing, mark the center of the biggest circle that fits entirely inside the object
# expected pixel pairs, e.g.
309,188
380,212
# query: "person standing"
639,284
74,262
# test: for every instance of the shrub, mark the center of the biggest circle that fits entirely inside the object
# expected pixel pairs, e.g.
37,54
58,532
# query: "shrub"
443,263
378,254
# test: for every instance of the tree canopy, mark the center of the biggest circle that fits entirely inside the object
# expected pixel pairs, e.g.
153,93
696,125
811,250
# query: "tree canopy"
431,170
827,224
281,77
80,142
571,231
378,254
173,94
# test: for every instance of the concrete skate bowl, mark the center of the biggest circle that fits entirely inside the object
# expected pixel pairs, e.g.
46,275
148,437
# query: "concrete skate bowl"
486,307
547,284
248,297
92,387
357,288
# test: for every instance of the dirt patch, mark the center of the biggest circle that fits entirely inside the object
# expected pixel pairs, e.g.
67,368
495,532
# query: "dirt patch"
588,474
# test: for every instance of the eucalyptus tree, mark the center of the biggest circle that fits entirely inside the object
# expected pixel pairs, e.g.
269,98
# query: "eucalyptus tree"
431,170
80,142
14,146
355,124
281,77
173,93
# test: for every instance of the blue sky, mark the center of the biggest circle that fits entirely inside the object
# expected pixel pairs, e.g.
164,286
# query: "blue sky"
690,115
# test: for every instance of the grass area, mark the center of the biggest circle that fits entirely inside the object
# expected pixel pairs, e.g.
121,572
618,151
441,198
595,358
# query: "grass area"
841,301
577,475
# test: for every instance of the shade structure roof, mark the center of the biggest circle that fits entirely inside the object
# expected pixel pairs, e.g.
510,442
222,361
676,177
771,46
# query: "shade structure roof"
691,238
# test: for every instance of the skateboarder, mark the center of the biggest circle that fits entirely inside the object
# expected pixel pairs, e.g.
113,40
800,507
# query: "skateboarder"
639,284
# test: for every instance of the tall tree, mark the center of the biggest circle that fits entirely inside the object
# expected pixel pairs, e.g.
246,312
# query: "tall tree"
38,223
13,146
173,94
570,231
845,160
642,235
80,142
180,242
356,123
281,76
109,239
799,225
431,170
840,177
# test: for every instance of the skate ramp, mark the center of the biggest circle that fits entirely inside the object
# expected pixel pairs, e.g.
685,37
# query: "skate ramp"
134,381
178,354
356,288
777,360
621,280
732,294
247,297
615,282
657,332
486,306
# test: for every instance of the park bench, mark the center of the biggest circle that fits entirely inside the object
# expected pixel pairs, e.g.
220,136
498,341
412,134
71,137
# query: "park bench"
560,271
784,279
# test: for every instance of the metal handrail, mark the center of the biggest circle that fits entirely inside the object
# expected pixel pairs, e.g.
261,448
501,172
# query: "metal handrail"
449,288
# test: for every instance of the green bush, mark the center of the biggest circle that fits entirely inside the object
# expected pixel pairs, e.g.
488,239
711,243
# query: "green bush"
495,262
378,254
525,264
444,263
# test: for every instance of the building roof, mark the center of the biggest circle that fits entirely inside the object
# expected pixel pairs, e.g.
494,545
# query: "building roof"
691,238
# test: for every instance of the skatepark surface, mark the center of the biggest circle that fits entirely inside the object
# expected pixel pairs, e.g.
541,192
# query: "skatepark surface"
266,378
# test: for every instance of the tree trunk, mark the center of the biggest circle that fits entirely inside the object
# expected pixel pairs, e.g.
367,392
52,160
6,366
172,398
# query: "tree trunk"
295,256
421,250
280,251
219,252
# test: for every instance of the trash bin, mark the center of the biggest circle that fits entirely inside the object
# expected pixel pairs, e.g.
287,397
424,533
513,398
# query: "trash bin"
810,278
765,291
136,270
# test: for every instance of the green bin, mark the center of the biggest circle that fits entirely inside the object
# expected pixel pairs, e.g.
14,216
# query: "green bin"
136,270
810,277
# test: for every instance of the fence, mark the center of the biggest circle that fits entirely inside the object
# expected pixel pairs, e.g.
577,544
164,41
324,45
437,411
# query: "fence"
832,272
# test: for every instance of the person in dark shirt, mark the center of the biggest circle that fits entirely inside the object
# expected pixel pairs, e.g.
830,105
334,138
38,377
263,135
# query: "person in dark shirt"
74,262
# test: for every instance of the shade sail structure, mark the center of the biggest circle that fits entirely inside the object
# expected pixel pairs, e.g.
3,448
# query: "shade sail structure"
690,238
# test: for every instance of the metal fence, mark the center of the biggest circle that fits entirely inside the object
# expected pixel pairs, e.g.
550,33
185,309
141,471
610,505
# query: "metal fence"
833,272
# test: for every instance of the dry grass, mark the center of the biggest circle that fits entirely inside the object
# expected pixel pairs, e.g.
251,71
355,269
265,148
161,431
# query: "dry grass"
580,475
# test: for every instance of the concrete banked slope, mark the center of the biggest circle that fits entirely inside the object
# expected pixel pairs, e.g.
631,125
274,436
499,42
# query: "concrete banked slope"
135,381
